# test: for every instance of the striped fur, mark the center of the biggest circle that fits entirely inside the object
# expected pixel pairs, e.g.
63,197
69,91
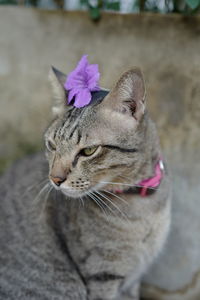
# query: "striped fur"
80,240
34,260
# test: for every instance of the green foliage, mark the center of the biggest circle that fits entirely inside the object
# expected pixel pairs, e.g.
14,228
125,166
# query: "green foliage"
8,1
193,3
32,2
112,5
94,13
95,7
170,6
20,2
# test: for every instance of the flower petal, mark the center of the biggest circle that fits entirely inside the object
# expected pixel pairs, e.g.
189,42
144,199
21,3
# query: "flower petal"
71,95
83,79
92,76
83,98
82,64
78,76
74,80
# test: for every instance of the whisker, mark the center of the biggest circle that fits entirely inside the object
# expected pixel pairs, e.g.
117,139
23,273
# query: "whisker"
29,188
126,177
79,201
113,204
93,197
44,203
124,201
46,198
82,201
41,191
126,184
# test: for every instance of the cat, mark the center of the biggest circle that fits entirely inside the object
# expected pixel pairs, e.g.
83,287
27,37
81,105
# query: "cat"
74,224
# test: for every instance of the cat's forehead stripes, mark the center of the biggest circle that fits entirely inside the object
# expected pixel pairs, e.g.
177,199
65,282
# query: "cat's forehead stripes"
70,126
60,126
71,119
74,123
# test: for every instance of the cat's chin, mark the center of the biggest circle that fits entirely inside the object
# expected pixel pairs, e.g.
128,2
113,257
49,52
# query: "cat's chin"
73,193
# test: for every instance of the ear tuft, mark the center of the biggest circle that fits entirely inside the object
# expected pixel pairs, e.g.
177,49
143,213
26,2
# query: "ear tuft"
57,80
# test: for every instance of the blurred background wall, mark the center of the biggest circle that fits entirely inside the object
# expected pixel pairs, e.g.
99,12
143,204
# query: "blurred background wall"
165,47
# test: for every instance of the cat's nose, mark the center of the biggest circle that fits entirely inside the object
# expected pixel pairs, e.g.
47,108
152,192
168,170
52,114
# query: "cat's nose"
57,180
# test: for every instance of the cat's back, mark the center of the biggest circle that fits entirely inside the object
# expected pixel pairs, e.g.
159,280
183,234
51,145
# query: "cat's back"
33,257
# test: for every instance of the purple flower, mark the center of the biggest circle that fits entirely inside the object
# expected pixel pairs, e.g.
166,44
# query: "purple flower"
81,82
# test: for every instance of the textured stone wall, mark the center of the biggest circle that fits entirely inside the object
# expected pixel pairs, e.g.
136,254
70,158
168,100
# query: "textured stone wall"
165,47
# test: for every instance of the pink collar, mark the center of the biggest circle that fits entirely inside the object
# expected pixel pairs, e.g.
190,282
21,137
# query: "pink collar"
150,183
153,182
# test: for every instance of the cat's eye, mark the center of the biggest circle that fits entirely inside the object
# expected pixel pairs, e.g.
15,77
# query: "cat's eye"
51,146
89,151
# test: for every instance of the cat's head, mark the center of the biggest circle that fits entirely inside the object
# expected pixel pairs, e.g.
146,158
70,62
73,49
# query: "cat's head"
91,146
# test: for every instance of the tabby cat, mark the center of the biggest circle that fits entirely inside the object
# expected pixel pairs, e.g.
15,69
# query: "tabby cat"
82,230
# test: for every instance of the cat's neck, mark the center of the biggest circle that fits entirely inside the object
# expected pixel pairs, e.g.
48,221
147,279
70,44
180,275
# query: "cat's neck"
150,148
151,144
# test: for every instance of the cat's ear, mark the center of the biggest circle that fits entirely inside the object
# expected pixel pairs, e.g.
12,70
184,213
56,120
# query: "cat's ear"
128,95
57,80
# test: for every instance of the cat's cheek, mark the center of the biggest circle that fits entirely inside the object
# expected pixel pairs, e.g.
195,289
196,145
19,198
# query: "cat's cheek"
50,158
47,155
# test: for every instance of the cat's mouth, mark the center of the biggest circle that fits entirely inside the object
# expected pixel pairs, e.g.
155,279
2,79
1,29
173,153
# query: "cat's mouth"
72,192
75,192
